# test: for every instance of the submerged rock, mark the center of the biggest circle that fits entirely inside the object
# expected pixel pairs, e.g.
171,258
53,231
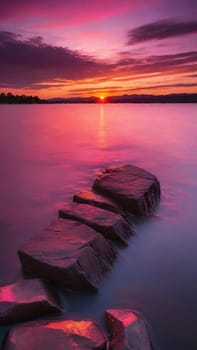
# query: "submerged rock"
57,335
128,331
134,189
90,197
25,300
110,225
68,253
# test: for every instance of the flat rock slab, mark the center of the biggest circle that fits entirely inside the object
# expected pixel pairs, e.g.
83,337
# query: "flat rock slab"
57,335
134,189
90,197
128,331
68,253
110,225
25,300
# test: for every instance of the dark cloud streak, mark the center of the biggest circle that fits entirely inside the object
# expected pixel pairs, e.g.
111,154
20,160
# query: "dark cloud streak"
162,86
161,30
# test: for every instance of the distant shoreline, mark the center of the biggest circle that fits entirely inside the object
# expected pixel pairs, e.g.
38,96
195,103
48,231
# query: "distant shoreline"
101,103
171,98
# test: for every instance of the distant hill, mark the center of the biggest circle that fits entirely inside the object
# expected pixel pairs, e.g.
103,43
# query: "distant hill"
171,98
91,99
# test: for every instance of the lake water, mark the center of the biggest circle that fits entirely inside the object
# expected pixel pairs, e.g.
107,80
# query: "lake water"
48,152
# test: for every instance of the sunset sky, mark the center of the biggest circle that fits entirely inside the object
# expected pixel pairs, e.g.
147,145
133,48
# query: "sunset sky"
66,48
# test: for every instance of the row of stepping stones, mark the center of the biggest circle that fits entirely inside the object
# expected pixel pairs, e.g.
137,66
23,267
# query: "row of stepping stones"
75,252
127,331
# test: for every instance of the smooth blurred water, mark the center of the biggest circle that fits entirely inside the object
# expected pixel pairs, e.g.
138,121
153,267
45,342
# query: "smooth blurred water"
48,152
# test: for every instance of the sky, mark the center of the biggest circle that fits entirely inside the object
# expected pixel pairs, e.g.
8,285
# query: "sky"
67,48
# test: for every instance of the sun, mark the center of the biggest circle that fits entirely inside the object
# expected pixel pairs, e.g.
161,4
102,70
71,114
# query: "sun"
102,98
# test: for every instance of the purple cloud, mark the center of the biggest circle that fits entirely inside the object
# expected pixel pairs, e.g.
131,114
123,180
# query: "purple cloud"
25,62
161,30
8,36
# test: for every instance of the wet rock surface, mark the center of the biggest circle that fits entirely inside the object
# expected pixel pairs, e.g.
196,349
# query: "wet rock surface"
73,253
134,189
69,254
128,331
25,300
109,224
90,197
57,335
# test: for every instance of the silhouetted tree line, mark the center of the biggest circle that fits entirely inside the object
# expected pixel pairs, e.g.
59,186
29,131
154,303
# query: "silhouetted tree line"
10,98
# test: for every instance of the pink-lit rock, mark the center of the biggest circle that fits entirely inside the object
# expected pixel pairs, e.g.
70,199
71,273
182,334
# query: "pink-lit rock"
128,331
25,300
90,197
134,189
57,335
68,253
109,224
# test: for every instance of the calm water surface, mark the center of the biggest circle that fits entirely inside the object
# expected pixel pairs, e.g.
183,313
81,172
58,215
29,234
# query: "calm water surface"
48,152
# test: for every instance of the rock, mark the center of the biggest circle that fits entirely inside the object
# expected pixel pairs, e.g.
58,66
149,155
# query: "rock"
68,253
25,300
57,335
89,197
110,225
134,189
128,331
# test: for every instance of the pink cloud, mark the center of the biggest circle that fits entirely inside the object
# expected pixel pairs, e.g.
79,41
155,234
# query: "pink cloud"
66,13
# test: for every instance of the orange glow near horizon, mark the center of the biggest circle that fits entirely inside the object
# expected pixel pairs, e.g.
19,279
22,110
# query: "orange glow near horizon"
45,93
174,80
113,85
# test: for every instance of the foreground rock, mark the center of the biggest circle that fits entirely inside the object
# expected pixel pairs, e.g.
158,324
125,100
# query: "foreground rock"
25,300
89,197
57,335
134,189
128,331
110,225
68,253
